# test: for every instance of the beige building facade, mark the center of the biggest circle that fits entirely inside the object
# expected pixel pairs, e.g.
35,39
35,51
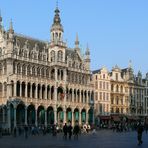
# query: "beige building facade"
42,83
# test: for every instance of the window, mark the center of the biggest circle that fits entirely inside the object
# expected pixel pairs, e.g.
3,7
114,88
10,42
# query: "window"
116,76
96,77
25,54
18,69
103,76
33,71
52,56
96,85
117,100
103,95
24,70
100,85
103,85
28,70
100,95
47,73
112,101
38,71
42,72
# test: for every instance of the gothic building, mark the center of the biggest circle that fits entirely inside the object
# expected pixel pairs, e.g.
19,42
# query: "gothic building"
42,83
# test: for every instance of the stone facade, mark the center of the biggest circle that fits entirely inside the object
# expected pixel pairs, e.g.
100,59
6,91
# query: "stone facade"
42,83
127,93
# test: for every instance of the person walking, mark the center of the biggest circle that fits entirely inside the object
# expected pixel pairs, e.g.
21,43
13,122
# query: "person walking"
76,131
65,129
26,131
139,133
70,131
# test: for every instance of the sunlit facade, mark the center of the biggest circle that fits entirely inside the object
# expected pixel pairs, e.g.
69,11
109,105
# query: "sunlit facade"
42,83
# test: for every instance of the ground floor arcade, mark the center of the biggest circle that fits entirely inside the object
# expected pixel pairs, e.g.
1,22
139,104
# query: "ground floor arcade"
18,114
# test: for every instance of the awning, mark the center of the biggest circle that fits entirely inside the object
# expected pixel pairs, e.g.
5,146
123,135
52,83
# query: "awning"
116,118
105,117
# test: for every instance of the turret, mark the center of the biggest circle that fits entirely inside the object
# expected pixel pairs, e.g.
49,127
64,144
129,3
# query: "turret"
56,31
77,44
87,58
10,38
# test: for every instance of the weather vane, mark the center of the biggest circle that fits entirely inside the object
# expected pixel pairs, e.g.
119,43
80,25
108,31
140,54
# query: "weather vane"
57,3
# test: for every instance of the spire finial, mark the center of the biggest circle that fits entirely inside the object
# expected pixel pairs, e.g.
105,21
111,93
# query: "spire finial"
130,64
11,27
0,19
57,4
77,40
87,50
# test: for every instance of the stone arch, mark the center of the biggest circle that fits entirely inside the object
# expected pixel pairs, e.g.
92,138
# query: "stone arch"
43,92
23,89
50,115
76,115
33,90
18,88
52,74
28,90
31,114
52,92
60,115
20,114
38,91
90,116
78,95
75,94
60,93
48,92
83,115
69,114
41,115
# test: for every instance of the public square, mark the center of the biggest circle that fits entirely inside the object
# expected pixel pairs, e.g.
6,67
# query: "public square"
102,139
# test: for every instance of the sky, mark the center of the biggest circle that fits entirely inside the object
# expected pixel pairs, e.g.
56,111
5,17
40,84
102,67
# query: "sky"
115,30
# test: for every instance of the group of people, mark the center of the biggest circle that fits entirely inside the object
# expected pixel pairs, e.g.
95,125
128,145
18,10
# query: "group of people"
69,130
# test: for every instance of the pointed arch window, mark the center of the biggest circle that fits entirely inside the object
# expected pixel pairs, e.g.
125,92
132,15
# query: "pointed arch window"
52,56
38,71
18,69
24,70
33,71
28,70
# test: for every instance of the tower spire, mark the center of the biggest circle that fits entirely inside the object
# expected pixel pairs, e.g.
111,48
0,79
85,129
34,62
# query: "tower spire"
87,50
0,20
56,28
77,41
11,27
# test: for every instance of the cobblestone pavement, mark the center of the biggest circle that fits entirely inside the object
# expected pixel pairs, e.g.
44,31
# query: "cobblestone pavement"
102,139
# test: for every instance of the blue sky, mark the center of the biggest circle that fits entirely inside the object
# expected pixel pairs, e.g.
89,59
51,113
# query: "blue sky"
116,30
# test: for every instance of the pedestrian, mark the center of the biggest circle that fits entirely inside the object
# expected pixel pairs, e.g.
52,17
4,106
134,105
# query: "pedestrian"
139,133
76,131
65,130
14,131
70,131
26,131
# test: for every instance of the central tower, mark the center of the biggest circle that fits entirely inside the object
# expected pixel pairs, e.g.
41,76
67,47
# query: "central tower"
56,31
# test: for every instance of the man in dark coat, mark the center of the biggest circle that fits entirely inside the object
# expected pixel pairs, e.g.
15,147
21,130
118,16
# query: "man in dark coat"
76,131
65,130
70,131
139,133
